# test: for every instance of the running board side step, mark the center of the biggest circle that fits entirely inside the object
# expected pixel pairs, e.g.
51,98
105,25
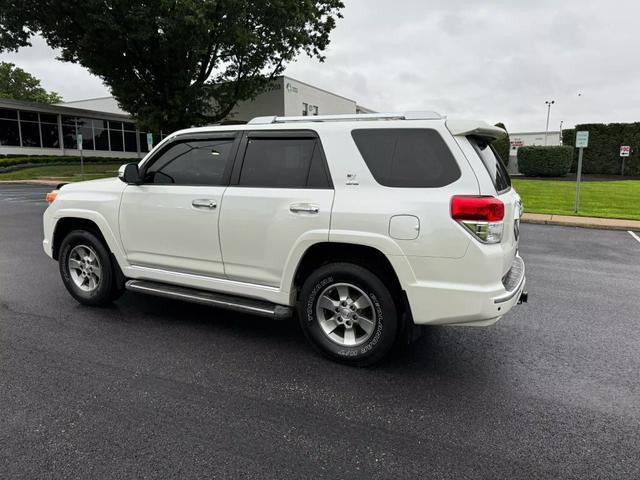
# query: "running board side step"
214,299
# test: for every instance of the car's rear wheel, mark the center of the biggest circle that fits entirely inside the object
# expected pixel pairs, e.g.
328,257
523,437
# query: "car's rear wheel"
348,314
87,270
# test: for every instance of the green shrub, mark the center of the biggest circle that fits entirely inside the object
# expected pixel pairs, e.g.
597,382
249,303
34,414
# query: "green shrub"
602,156
33,160
544,161
503,145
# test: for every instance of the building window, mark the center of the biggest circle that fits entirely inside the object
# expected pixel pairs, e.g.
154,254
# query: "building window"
30,134
100,135
9,132
305,109
49,135
85,128
116,137
69,132
130,141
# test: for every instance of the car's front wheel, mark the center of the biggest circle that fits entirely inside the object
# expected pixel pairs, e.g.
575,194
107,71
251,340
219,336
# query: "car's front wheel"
348,313
87,270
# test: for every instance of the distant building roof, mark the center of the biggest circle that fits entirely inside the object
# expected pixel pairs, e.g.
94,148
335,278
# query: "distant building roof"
60,109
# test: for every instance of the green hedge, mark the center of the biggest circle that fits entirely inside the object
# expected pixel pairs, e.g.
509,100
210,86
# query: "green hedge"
602,156
33,160
544,161
503,145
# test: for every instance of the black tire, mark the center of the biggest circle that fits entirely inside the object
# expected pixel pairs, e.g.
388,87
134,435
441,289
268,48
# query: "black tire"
376,343
107,288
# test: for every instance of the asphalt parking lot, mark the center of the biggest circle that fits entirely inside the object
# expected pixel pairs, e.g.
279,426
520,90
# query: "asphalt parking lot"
153,388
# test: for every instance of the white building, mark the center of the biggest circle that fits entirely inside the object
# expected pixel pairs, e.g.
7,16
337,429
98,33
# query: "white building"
286,97
30,128
526,139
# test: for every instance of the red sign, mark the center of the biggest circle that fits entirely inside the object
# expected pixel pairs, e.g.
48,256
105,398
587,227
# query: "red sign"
625,150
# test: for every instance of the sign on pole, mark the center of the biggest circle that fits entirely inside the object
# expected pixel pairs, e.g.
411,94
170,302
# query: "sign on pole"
79,139
625,151
582,142
582,139
149,141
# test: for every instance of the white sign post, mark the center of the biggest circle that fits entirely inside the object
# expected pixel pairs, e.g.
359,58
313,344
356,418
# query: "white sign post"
625,151
582,142
79,138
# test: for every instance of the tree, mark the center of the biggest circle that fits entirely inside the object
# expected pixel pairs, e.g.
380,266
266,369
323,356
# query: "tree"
176,63
503,145
20,85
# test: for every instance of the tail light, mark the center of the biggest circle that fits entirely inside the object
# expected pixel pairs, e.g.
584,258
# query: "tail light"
51,196
482,216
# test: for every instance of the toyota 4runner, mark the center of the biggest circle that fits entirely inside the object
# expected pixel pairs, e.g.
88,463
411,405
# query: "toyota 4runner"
364,226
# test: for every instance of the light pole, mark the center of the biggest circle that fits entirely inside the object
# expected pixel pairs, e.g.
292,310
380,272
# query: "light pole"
561,122
546,130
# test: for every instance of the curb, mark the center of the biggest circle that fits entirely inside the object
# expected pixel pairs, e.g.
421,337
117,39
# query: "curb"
31,182
583,222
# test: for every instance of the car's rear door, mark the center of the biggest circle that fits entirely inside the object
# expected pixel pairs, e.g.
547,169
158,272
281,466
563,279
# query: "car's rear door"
502,189
278,203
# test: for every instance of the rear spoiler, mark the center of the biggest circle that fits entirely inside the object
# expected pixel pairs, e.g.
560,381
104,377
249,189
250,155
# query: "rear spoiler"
474,127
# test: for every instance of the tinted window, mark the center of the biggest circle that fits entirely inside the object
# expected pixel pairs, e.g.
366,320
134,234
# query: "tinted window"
9,133
277,162
30,116
402,157
49,133
195,162
117,143
5,113
30,134
44,117
493,163
318,175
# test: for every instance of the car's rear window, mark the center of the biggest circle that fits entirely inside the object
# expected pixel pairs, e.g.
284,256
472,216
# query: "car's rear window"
493,163
407,157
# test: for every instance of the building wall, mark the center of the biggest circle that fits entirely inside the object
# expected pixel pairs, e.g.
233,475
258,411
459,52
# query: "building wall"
268,103
526,139
297,94
290,97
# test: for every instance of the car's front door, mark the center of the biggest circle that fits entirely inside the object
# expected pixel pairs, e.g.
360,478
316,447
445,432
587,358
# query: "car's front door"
279,200
170,220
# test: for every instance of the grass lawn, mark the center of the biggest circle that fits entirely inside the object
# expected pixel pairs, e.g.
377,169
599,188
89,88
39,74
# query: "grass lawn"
616,199
64,173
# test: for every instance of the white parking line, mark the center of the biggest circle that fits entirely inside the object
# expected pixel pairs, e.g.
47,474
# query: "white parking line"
634,235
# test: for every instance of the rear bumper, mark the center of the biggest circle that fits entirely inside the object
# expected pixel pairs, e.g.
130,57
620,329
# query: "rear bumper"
465,303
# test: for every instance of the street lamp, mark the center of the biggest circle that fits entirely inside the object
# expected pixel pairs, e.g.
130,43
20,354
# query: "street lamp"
546,130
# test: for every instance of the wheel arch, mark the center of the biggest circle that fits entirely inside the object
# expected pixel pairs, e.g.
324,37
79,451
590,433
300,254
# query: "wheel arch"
322,253
65,225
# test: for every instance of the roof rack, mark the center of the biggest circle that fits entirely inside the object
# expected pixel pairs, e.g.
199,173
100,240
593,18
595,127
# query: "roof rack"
358,116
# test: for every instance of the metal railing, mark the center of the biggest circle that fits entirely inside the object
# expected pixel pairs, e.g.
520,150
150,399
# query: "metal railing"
426,115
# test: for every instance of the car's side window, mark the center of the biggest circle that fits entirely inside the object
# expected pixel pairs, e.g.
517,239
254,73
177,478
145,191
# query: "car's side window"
192,162
407,157
283,163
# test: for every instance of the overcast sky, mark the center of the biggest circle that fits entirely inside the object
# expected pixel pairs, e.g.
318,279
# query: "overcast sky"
494,60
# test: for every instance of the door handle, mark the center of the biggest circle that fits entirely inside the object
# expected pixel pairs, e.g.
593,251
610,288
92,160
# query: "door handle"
304,208
204,203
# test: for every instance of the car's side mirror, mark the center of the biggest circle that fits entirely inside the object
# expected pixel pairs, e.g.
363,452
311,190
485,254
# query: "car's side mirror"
128,173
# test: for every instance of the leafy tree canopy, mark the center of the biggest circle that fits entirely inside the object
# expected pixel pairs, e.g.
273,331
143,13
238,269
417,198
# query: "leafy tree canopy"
176,63
20,85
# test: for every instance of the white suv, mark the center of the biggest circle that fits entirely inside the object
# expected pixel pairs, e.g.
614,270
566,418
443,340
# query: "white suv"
366,225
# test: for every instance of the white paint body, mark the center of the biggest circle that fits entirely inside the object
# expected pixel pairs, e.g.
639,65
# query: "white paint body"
251,244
